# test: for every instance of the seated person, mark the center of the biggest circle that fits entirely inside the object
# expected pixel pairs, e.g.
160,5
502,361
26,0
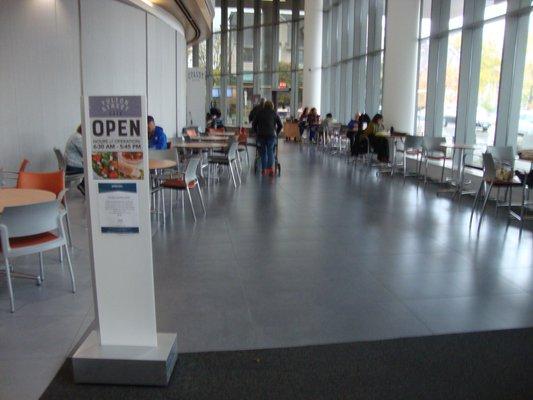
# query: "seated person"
156,136
352,128
74,156
359,145
380,144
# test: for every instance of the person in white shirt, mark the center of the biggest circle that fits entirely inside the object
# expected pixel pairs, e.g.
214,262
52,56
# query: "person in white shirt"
74,156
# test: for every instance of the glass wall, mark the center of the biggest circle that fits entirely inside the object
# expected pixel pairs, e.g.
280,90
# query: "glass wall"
257,51
473,53
352,57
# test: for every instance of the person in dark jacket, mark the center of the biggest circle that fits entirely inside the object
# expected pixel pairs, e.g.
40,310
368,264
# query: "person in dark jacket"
268,125
255,110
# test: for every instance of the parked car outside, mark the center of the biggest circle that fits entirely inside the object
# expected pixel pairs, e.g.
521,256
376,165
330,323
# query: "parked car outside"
482,121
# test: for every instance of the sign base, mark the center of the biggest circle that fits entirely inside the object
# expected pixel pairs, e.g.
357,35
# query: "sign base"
125,365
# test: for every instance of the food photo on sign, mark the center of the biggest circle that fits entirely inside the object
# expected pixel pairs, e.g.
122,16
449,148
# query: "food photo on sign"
117,165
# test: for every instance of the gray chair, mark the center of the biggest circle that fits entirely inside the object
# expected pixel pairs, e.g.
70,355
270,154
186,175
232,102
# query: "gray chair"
32,229
157,176
505,157
489,181
432,150
62,165
188,181
411,145
230,160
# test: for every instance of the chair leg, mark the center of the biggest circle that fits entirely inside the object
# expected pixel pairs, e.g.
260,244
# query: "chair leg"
9,284
522,208
41,265
442,172
232,175
163,202
475,202
192,206
171,212
61,256
72,280
404,164
238,173
426,172
67,221
201,197
487,195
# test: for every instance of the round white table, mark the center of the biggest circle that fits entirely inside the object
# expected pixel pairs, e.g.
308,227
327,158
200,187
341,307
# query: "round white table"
22,197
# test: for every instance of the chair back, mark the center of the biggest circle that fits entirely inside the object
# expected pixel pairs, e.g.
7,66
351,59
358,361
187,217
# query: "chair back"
216,131
167,154
51,181
433,143
232,150
190,131
23,165
61,163
190,171
31,219
489,167
413,142
502,154
243,136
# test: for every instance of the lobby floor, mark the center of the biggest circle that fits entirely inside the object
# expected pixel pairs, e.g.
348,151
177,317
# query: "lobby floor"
327,253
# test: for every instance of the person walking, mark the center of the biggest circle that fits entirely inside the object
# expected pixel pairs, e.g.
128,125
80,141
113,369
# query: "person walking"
267,125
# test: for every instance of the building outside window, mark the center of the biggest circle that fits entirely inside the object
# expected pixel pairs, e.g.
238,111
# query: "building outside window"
269,62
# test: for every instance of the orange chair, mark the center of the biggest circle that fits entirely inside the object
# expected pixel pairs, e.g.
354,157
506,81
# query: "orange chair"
50,181
23,165
215,131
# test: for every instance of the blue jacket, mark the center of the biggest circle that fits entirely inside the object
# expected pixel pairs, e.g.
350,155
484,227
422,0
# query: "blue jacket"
351,124
159,140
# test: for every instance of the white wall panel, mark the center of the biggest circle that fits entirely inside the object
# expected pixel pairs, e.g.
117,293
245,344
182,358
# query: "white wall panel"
162,74
181,90
113,37
39,80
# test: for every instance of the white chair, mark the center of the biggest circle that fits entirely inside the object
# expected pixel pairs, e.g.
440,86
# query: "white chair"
433,150
230,160
186,183
32,229
411,145
490,180
503,156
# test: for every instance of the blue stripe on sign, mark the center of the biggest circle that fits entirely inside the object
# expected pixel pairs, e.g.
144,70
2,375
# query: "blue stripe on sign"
120,230
117,187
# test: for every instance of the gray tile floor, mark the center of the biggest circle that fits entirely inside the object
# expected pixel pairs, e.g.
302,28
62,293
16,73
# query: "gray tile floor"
326,253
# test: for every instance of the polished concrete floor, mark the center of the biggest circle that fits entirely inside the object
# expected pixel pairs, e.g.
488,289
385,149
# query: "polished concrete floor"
326,253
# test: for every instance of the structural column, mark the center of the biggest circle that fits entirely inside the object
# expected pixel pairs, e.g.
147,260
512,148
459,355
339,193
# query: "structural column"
401,54
312,70
512,75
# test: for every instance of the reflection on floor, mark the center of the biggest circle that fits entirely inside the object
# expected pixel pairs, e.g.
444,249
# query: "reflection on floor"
326,253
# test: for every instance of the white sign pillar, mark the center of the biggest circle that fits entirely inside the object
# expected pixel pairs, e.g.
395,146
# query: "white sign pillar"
118,202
